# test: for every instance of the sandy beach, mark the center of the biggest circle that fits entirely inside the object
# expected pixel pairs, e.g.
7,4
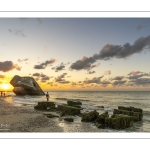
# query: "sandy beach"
24,118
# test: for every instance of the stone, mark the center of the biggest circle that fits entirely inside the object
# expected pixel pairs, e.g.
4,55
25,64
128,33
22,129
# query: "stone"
130,112
119,121
131,109
25,86
45,106
74,103
68,119
100,121
51,115
68,110
90,116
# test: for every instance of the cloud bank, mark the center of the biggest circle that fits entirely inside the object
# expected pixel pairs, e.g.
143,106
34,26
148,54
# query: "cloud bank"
8,66
44,64
112,51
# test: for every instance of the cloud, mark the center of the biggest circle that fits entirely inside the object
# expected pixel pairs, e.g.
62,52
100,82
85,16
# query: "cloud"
8,65
118,78
91,72
60,79
105,83
141,81
21,60
119,83
44,64
60,67
36,74
94,80
45,78
112,51
17,32
135,73
107,72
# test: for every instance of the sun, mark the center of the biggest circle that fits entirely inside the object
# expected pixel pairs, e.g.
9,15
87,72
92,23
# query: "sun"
5,86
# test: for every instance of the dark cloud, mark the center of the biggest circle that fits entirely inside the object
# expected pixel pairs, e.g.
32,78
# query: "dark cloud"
17,32
94,80
59,68
21,60
45,78
105,83
60,79
118,78
135,73
141,81
44,64
8,65
91,72
107,72
119,83
36,74
112,51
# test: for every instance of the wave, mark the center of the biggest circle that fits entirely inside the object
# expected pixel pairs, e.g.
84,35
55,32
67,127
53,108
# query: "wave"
67,99
135,99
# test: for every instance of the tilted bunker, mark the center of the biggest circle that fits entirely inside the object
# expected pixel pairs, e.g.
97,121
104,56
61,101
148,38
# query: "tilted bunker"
25,86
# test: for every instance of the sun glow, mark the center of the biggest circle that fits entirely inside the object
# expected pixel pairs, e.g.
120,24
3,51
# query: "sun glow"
5,86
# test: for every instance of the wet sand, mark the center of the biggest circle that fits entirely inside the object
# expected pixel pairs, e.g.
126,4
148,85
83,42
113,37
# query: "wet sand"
25,118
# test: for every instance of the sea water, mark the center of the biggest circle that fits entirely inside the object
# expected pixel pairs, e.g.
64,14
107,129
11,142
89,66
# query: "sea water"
94,100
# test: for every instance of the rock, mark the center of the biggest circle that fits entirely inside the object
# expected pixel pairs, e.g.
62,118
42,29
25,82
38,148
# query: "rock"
45,106
89,117
68,119
51,115
131,109
74,103
119,121
68,110
100,121
137,115
25,86
100,106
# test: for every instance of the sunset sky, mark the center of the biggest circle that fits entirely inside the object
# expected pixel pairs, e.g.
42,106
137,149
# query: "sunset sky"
77,53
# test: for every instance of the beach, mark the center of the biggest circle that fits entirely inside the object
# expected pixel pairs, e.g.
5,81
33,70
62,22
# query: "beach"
24,118
17,113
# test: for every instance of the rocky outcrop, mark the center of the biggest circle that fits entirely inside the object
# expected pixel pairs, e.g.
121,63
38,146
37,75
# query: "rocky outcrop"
119,121
74,103
25,86
68,119
45,106
51,115
68,110
100,122
90,116
137,113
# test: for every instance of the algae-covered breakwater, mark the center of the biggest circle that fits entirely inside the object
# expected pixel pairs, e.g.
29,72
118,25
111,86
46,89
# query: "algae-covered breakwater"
122,118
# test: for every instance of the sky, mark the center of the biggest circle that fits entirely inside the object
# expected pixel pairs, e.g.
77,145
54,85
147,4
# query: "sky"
76,53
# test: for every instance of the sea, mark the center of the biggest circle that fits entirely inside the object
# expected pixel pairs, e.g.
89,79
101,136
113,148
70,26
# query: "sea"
93,100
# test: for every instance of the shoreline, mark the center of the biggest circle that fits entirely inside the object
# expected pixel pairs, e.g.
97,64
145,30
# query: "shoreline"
26,119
